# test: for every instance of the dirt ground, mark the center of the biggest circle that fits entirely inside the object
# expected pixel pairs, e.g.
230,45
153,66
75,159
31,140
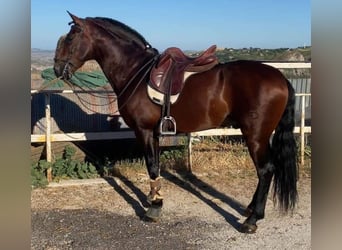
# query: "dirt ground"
201,211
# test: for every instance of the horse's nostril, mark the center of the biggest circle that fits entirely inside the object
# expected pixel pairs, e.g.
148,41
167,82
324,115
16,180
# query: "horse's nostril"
56,70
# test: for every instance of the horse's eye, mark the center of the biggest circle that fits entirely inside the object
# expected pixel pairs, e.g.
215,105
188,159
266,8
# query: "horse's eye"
76,28
68,38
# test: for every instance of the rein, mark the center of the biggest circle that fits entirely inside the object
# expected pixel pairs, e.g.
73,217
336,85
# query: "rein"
147,66
150,63
49,83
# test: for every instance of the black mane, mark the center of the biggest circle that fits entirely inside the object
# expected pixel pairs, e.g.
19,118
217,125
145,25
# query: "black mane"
119,29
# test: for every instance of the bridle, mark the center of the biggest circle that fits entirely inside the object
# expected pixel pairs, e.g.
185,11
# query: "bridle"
66,70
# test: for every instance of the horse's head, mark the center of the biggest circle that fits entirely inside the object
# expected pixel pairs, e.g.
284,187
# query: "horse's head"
73,49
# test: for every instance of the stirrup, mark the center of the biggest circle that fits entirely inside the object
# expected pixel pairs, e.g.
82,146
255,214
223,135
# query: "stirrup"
164,128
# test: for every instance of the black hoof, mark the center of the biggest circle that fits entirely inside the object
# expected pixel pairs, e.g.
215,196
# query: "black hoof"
153,213
248,229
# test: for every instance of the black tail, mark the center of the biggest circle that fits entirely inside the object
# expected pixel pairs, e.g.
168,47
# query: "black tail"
284,157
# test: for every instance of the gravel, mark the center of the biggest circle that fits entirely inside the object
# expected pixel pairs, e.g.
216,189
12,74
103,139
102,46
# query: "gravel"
200,212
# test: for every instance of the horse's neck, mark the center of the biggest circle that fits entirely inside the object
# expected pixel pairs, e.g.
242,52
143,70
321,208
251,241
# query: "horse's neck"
120,68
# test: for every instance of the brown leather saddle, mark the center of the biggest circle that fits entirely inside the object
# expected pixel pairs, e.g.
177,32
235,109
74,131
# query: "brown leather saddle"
168,73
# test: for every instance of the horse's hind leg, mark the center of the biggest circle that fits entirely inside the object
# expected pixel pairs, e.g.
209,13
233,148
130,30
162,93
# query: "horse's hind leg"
261,155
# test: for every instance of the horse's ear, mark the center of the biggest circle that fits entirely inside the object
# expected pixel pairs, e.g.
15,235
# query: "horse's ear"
74,18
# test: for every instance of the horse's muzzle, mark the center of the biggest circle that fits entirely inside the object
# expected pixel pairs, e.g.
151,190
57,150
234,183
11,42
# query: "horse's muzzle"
63,70
58,69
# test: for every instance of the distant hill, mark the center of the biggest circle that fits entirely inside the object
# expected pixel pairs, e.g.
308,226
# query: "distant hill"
41,59
281,54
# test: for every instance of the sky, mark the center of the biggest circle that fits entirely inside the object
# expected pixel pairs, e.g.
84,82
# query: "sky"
187,24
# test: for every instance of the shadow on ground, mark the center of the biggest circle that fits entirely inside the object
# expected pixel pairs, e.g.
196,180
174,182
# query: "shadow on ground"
188,182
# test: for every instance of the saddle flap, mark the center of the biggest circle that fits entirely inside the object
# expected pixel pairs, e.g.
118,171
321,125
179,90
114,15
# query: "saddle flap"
159,74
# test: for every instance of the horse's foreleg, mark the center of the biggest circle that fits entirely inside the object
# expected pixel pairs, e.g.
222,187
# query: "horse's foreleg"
151,153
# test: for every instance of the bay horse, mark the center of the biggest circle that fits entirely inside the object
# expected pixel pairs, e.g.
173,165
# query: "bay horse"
245,94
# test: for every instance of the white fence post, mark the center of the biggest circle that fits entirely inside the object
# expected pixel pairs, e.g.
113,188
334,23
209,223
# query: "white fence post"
302,124
48,135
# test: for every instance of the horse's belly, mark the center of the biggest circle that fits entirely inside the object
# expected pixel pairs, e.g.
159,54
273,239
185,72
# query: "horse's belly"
195,116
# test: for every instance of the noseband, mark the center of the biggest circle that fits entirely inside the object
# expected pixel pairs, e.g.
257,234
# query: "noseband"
66,71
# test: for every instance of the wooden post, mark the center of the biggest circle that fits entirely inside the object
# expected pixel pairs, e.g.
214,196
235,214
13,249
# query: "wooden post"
48,135
302,124
189,153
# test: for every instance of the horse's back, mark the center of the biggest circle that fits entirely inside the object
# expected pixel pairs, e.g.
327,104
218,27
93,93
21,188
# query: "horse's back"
254,73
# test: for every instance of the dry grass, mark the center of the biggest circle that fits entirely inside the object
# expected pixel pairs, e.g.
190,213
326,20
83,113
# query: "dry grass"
210,159
90,66
216,158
